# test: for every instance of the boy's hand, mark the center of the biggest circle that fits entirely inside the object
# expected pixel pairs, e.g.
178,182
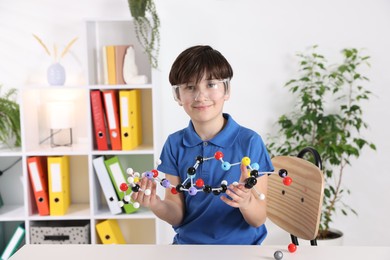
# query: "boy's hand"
240,196
146,200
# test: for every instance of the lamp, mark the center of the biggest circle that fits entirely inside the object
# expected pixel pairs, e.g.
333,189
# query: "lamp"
60,121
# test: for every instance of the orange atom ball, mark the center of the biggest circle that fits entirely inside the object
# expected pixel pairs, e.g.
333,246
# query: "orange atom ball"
155,173
287,181
292,248
123,187
199,183
218,155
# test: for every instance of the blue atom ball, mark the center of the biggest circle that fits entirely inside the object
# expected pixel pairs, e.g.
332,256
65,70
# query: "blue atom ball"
225,166
255,166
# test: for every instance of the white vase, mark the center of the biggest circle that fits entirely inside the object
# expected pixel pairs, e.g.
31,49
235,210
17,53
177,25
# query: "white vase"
56,74
332,241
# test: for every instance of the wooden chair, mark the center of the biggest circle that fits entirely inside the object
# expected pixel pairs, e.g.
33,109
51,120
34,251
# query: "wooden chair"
297,208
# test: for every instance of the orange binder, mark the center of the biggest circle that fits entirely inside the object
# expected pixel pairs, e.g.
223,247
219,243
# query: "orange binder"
112,115
98,120
37,169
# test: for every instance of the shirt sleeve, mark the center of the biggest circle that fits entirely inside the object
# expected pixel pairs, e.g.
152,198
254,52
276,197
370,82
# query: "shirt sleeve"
168,160
260,152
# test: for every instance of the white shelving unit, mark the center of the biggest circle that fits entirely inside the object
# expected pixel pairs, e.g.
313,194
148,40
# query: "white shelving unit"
87,201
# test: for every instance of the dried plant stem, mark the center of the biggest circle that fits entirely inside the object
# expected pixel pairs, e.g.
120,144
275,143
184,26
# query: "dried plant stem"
68,47
42,44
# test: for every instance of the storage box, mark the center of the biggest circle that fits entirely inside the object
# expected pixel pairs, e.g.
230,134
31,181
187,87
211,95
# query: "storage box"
64,232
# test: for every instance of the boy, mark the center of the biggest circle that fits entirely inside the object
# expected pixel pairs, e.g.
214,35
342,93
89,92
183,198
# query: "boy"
200,78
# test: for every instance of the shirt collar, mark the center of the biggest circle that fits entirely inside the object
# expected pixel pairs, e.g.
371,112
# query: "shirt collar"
223,139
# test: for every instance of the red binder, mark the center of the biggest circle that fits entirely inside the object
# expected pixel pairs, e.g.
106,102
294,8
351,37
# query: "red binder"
112,116
98,120
37,169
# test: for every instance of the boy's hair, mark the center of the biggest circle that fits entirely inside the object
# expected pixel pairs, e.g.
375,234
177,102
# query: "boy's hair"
194,62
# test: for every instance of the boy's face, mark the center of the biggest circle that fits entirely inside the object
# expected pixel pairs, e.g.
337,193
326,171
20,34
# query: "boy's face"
203,101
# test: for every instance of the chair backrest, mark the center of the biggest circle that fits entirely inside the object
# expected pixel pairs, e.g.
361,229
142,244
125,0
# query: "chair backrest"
296,208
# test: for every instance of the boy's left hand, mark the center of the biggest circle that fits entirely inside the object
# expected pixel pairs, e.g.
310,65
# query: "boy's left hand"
240,196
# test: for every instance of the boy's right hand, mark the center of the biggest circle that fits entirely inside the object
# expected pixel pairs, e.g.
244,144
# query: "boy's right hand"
143,199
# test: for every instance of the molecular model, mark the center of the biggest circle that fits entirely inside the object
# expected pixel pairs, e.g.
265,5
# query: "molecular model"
193,187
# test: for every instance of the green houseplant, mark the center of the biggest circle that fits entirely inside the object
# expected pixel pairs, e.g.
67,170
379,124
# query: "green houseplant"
328,116
9,119
147,27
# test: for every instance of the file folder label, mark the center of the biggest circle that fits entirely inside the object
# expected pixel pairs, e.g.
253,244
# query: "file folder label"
110,111
117,174
124,112
56,177
35,176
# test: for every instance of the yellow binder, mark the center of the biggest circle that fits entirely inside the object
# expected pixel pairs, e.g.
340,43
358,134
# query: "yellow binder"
109,232
130,115
59,184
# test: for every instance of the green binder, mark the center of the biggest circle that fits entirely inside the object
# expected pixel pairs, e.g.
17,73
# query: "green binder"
14,243
117,176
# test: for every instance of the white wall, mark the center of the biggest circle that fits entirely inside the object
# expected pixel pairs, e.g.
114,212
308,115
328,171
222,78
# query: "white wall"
260,39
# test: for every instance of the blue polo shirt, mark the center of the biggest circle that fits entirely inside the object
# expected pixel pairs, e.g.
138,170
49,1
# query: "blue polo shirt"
207,219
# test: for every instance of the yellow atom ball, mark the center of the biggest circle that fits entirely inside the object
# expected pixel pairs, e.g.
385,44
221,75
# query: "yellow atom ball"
136,179
246,161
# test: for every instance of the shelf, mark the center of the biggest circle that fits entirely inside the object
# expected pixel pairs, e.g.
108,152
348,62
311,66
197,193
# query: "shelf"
40,113
12,213
142,213
75,211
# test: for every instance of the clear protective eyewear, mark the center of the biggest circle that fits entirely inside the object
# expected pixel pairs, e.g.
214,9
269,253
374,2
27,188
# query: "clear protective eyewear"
212,88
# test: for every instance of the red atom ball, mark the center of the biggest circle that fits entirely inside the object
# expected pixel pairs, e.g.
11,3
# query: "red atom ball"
173,190
123,187
287,181
155,173
199,183
292,248
218,155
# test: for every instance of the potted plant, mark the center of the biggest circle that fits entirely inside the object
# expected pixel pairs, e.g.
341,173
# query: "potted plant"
328,116
9,119
147,27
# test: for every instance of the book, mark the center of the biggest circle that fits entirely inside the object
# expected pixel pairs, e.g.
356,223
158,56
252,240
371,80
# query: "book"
120,52
14,243
111,68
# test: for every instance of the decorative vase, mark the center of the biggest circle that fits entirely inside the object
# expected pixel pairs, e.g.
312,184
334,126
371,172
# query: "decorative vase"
56,74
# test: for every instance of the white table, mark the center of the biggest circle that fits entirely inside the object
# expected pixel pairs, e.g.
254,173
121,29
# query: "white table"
195,252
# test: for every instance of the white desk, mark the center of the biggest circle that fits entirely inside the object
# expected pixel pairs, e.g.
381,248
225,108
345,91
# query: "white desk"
194,252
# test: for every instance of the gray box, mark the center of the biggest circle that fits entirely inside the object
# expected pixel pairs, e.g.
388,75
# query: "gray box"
64,232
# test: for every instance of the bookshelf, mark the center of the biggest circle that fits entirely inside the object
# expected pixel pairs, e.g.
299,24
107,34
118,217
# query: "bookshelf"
87,201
